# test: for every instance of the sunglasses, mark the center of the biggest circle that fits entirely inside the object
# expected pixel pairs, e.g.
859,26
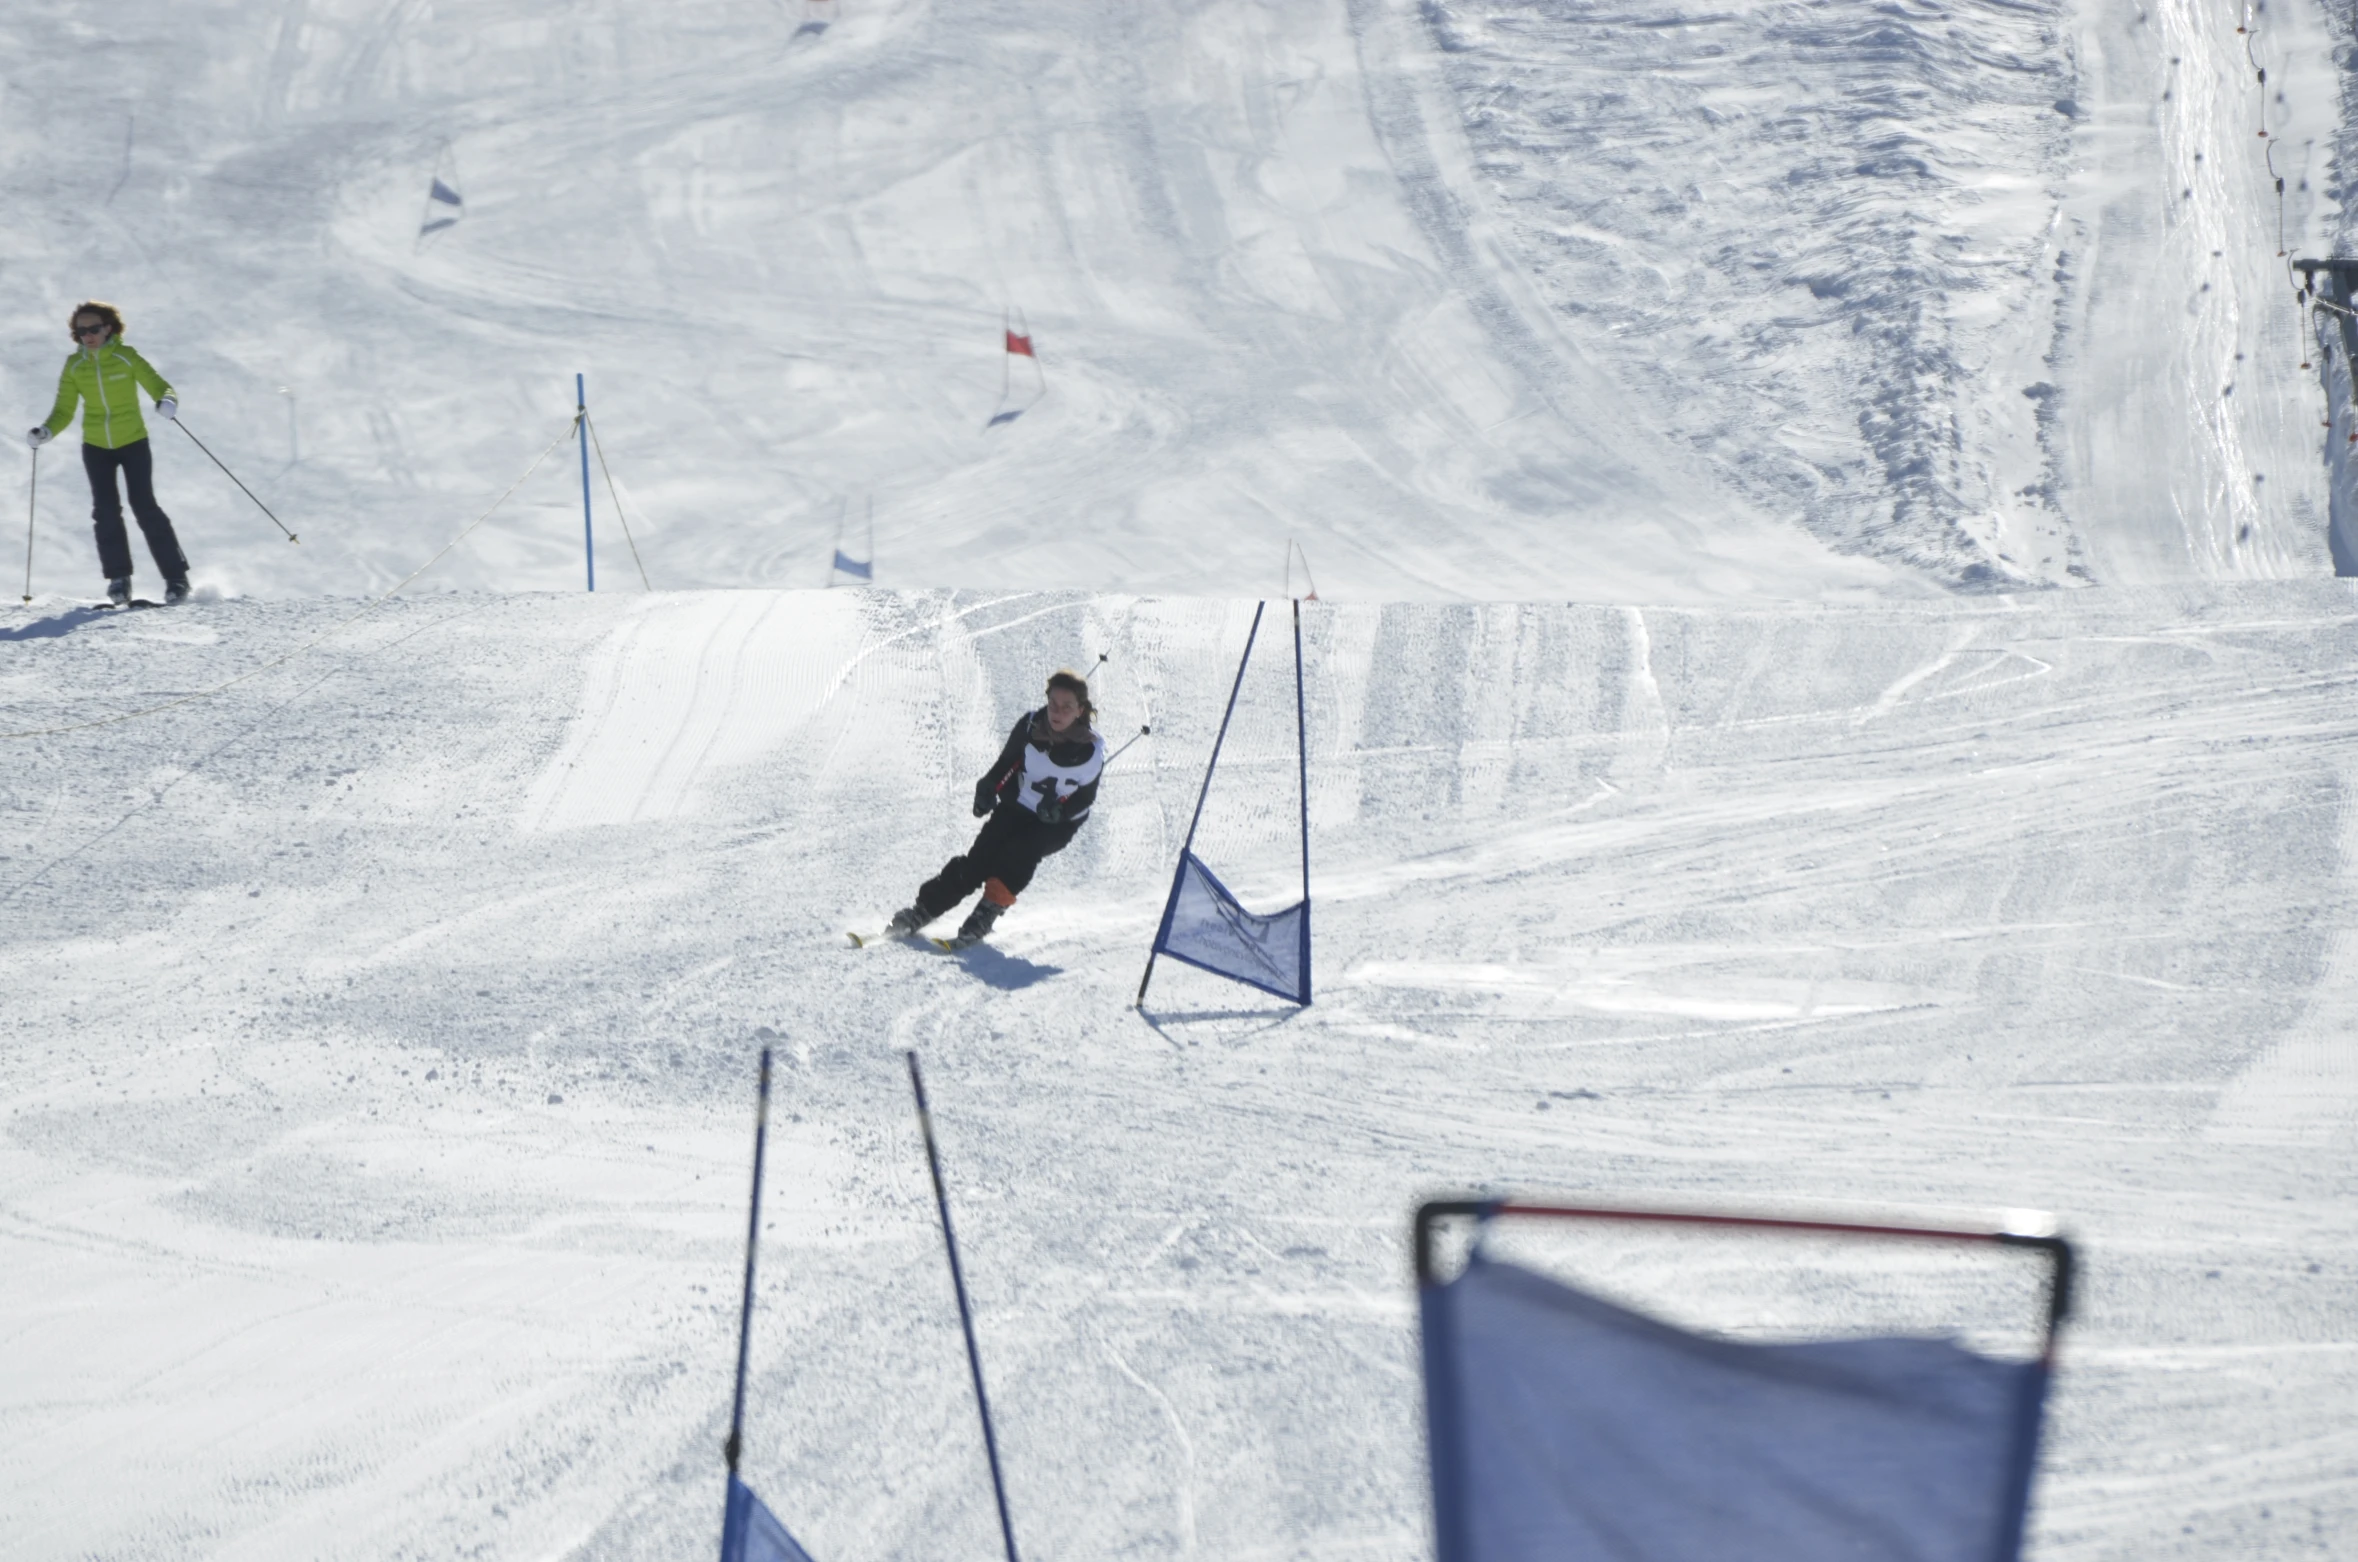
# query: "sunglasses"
99,329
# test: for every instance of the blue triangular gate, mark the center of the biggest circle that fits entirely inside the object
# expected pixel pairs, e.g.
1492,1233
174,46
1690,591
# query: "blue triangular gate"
1204,924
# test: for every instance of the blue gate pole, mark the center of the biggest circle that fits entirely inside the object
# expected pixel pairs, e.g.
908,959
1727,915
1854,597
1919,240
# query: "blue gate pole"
761,1134
589,549
941,1199
1180,872
1302,748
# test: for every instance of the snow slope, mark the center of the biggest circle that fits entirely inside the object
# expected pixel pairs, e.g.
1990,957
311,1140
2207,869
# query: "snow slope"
2185,430
1477,299
381,1037
782,260
1991,289
1666,399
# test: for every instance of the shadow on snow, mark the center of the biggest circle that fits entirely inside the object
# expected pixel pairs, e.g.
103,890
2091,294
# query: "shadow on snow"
1004,971
64,623
1271,1019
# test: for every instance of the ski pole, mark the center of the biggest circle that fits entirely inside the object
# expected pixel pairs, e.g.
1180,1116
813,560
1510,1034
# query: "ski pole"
233,477
1125,748
1142,731
32,497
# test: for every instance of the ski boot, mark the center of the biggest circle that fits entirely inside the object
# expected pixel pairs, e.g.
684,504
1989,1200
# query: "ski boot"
906,921
175,592
977,925
118,591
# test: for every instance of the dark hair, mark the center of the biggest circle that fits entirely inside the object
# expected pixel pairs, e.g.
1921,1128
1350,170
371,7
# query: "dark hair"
1078,687
105,311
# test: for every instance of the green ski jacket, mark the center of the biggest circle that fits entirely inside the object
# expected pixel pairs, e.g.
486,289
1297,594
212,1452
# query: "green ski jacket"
106,380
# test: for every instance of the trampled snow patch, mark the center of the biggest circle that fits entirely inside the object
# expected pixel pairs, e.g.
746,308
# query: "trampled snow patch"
680,687
1661,982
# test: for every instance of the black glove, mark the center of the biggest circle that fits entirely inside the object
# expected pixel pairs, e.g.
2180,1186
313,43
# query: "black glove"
986,795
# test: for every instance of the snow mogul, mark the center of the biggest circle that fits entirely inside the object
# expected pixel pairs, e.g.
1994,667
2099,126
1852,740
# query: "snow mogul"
105,374
1037,793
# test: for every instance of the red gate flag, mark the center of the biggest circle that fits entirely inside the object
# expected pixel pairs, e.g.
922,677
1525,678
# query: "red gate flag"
1021,346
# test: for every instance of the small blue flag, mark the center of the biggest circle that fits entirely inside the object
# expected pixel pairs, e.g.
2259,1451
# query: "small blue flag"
853,567
751,1533
445,194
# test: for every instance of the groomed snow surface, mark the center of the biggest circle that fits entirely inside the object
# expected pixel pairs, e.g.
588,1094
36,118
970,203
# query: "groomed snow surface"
1826,690
383,1034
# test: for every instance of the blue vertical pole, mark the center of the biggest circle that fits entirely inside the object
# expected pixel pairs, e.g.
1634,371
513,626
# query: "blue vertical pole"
1302,747
589,549
761,1133
941,1199
1179,873
1226,716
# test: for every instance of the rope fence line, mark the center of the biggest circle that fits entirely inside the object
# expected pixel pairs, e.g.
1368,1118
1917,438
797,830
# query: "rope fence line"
321,638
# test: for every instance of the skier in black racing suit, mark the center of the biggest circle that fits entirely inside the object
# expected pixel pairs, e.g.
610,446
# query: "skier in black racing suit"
1036,793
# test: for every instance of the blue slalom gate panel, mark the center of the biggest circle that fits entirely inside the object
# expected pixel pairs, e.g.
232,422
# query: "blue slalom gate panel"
1569,1429
1205,926
751,1533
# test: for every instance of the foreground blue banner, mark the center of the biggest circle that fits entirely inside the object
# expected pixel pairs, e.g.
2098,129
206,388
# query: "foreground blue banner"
1564,1428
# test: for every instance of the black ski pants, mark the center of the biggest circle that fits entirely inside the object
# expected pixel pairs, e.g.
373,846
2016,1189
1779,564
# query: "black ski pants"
137,464
1007,848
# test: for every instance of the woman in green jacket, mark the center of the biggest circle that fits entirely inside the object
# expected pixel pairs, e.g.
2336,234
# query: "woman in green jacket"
104,374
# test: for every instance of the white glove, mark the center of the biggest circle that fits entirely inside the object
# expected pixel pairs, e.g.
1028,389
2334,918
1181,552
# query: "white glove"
169,407
38,435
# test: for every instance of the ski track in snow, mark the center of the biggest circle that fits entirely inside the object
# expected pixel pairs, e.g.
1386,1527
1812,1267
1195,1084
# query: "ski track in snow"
1831,219
410,1224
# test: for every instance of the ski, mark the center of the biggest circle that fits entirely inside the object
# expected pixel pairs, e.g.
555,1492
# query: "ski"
948,946
109,607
